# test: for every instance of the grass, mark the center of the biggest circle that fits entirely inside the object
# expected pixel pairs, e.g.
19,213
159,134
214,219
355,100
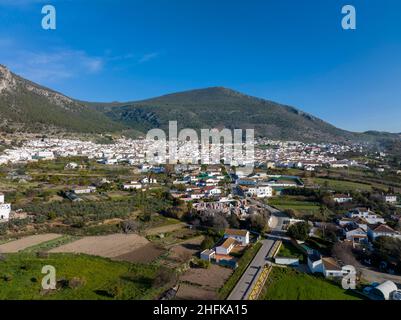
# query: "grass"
301,208
288,250
48,245
242,266
342,186
20,278
289,284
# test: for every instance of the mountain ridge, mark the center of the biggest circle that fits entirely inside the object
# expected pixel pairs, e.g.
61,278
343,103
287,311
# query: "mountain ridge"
27,106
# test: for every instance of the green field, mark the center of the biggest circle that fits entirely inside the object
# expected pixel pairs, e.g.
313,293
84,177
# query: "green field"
342,186
301,208
289,284
21,277
288,250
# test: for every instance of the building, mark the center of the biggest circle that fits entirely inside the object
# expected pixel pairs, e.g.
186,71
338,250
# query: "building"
366,214
357,236
226,247
85,190
5,209
342,198
383,291
132,186
382,230
241,236
207,255
389,198
326,266
258,191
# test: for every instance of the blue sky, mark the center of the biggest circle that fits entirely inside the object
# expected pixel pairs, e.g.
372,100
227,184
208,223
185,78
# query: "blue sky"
290,51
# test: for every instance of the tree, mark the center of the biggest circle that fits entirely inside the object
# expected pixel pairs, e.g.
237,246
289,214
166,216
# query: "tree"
129,226
299,231
258,222
207,243
233,221
219,222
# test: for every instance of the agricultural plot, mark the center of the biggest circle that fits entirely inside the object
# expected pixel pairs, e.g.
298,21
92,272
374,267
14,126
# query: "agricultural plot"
27,242
202,283
111,246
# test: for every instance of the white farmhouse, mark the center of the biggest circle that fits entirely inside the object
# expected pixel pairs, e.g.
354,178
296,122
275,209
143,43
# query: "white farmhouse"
5,209
241,236
226,247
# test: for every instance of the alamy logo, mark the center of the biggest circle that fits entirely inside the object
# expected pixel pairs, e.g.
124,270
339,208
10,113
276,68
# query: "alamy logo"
349,279
349,20
214,147
49,280
49,20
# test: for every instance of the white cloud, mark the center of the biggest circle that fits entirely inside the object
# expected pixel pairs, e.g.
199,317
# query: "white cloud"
149,56
48,66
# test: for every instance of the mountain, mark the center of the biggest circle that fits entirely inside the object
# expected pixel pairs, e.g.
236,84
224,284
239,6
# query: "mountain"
220,107
26,106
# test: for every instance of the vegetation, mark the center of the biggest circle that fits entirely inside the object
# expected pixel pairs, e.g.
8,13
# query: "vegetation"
299,231
78,277
288,250
289,284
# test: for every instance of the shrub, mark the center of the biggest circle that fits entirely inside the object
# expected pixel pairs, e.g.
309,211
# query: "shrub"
76,282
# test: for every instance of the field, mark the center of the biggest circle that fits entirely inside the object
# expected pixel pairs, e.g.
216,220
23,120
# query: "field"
289,284
200,284
301,208
342,186
288,250
27,242
78,276
111,246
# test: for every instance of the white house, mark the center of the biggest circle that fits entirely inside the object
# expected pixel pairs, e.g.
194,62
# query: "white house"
207,254
241,236
134,185
366,214
226,247
390,198
357,236
213,191
260,191
148,181
5,209
342,198
327,266
84,190
382,230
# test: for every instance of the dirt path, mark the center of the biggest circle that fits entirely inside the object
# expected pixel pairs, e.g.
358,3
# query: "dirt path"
374,276
24,243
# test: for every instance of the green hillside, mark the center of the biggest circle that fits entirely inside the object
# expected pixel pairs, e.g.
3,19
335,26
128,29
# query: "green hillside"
26,106
219,107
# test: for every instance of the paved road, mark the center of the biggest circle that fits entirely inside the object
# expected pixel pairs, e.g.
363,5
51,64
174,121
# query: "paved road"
246,283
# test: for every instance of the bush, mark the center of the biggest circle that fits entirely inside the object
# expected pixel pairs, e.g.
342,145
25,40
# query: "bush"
207,243
129,226
76,282
204,264
42,255
299,231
